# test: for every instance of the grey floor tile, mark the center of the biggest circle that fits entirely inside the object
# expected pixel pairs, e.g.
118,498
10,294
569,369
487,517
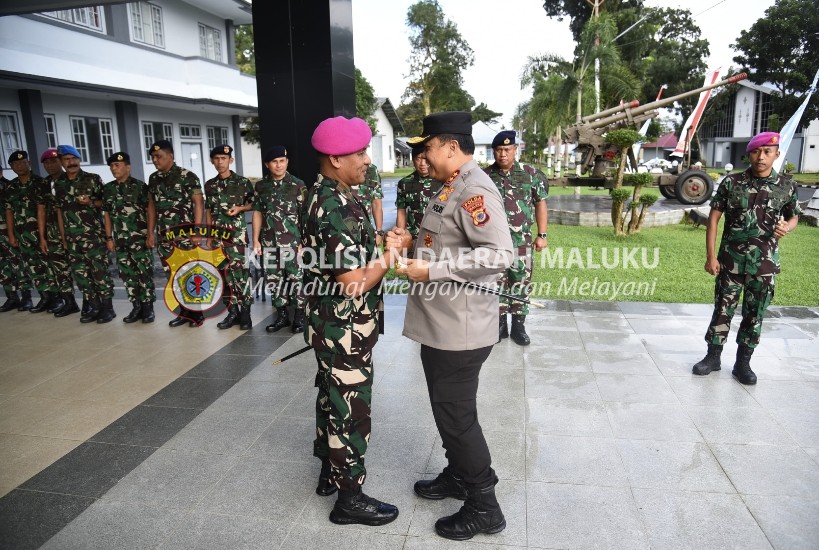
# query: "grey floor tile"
565,340
146,426
800,424
287,438
438,543
89,470
582,516
567,417
672,466
576,460
508,452
676,343
299,370
622,362
696,310
769,470
678,363
663,327
675,520
497,382
557,360
502,412
190,393
30,518
788,522
220,432
198,530
177,479
406,375
231,367
616,341
711,390
630,388
303,537
252,344
256,397
773,329
121,525
561,385
591,307
614,324
813,452
303,404
743,425
784,394
645,309
656,421
506,355
401,408
388,448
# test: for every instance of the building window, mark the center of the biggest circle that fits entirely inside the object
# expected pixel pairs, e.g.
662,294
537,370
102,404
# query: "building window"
146,24
210,43
153,132
93,138
89,18
106,138
217,135
51,130
9,133
190,131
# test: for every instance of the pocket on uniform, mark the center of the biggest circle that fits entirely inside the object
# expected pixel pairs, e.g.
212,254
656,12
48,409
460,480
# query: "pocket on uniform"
450,392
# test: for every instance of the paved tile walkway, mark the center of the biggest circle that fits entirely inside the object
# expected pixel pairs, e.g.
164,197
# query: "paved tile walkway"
146,437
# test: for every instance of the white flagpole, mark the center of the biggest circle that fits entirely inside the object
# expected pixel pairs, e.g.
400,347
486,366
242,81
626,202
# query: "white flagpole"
694,118
789,129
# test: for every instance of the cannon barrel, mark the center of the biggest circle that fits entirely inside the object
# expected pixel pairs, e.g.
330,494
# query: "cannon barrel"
623,112
611,111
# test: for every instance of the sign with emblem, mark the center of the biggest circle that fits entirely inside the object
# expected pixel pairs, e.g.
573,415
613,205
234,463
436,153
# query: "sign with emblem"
197,281
475,207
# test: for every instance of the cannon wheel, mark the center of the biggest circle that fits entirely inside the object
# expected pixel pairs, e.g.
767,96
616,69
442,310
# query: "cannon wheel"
668,191
694,187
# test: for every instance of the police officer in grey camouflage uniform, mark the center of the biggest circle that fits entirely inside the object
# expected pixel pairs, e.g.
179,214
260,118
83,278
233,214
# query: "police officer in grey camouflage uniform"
761,207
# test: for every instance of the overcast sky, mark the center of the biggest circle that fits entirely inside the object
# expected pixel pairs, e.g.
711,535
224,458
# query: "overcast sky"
503,34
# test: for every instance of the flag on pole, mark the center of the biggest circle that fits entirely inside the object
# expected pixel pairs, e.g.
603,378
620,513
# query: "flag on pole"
694,119
789,129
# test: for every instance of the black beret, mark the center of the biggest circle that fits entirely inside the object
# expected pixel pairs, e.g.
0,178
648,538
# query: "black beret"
223,149
507,137
274,152
417,150
118,157
161,144
448,122
18,155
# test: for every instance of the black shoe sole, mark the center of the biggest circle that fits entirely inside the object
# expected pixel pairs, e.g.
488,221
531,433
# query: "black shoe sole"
744,382
347,520
706,373
437,496
489,531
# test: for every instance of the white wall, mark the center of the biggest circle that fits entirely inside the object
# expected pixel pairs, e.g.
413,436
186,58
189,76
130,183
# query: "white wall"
386,157
810,159
744,122
251,160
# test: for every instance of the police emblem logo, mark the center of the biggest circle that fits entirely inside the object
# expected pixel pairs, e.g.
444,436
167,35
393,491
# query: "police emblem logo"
196,282
474,205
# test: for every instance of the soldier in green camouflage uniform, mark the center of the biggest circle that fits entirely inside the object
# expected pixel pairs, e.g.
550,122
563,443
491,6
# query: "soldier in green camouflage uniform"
130,223
178,199
78,197
525,192
227,197
278,201
761,207
23,233
370,195
413,193
342,313
9,257
52,239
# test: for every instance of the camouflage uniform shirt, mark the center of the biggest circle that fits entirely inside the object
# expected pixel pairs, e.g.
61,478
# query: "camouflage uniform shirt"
22,200
221,195
521,188
127,203
752,207
368,191
79,220
280,204
173,193
412,194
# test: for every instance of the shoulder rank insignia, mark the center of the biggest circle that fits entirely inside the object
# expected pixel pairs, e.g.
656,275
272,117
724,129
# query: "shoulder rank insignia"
474,205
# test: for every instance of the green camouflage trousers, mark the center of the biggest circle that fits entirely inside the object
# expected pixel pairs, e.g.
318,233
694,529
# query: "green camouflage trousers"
283,281
89,266
237,275
343,418
757,293
516,280
136,269
60,268
35,263
10,266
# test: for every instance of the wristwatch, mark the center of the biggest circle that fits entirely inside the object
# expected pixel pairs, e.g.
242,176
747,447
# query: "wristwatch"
543,235
380,232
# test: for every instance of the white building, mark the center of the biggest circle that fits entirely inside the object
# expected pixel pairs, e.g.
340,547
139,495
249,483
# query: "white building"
121,76
388,125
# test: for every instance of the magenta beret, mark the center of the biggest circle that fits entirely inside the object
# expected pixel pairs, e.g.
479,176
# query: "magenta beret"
761,140
50,153
341,136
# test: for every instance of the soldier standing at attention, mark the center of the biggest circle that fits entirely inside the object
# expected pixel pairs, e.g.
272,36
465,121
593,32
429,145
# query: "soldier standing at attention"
52,237
227,197
278,200
178,200
525,192
761,207
342,314
130,224
464,237
9,256
21,226
413,193
370,195
78,196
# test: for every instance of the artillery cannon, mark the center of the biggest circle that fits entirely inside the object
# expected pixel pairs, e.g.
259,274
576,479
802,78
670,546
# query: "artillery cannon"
589,135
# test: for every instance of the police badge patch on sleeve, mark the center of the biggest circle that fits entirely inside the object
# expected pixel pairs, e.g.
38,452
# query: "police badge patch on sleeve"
474,205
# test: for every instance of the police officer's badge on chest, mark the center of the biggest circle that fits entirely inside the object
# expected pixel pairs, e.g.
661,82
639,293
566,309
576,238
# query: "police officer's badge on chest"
474,205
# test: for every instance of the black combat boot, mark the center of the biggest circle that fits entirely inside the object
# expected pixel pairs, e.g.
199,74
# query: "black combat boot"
135,315
742,368
179,320
93,312
197,318
107,312
86,305
298,320
231,319
503,328
69,306
42,305
56,303
245,323
280,322
480,513
356,507
324,487
447,484
710,362
12,301
518,333
147,312
25,301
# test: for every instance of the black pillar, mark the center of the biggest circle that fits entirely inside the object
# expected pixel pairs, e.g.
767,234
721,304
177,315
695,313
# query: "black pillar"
31,105
304,73
127,113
